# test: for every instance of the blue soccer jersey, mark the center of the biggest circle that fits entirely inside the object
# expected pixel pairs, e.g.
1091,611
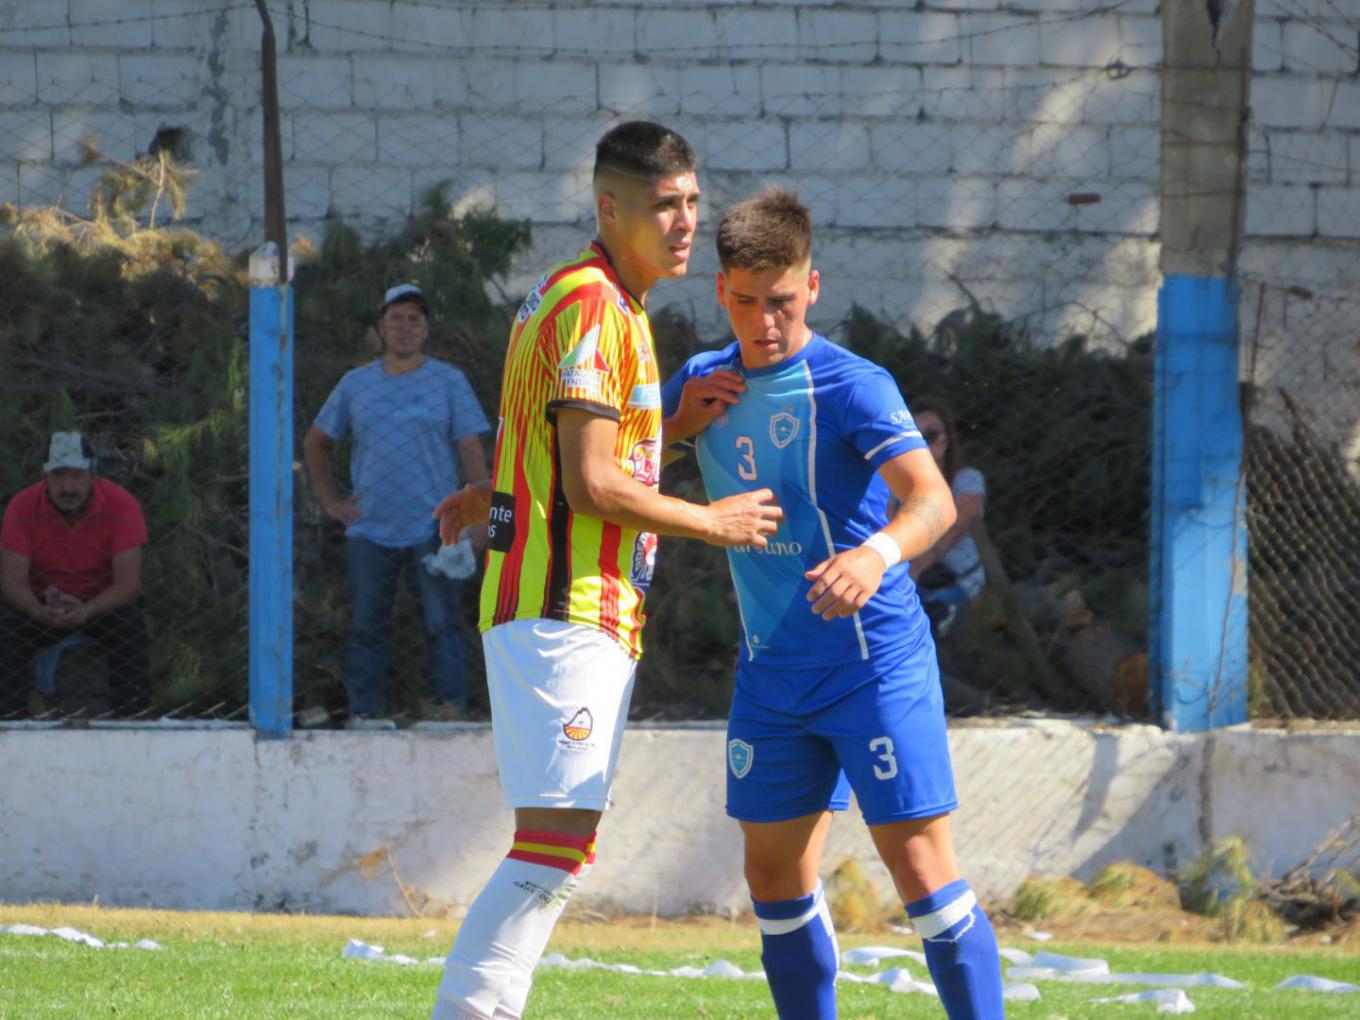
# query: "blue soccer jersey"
814,429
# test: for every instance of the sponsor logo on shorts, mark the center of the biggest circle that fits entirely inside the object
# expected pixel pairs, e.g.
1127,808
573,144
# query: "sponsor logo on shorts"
783,428
740,755
580,725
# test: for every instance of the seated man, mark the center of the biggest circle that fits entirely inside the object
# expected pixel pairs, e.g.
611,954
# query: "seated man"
71,562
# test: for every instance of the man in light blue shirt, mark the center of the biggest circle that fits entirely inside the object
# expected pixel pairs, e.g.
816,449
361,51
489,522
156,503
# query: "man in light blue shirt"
417,434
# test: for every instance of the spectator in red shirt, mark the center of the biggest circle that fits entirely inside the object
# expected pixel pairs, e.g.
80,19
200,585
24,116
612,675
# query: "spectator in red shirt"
71,562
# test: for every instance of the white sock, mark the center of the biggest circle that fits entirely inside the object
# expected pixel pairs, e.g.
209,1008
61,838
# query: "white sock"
490,969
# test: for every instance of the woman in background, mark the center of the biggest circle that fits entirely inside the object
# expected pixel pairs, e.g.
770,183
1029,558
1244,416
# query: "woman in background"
950,575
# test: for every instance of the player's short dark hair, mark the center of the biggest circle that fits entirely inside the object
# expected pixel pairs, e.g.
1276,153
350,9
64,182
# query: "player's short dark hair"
769,230
645,150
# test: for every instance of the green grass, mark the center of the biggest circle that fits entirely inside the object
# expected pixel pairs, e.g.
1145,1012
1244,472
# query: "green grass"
248,967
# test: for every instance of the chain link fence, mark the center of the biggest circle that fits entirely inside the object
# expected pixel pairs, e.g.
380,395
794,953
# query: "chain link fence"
1302,358
988,232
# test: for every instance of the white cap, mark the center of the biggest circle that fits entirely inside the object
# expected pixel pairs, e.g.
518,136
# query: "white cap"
69,450
403,291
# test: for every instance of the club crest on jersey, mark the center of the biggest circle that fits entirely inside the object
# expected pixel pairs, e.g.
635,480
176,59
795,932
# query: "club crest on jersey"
644,462
584,368
740,755
783,429
580,725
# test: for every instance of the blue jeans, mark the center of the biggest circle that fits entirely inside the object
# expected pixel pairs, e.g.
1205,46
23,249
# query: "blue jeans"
373,573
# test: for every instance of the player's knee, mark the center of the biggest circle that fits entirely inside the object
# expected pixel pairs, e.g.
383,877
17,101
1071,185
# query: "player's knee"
772,879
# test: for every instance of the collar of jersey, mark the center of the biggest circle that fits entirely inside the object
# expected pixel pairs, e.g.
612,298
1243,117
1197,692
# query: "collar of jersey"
780,366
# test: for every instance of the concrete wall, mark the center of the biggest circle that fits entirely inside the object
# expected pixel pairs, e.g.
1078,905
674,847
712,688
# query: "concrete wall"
219,820
940,145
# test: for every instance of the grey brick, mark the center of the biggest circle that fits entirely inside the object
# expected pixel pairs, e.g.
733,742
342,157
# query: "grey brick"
419,139
507,143
764,34
558,88
920,37
348,25
504,29
405,82
587,32
315,81
339,137
26,135
722,90
158,80
1338,212
828,145
801,90
1281,211
114,132
686,33
631,90
838,35
75,77
26,26
18,81
955,203
109,23
1002,40
914,149
382,192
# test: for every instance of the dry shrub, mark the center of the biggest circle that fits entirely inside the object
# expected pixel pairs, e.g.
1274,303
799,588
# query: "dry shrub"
1041,898
1124,885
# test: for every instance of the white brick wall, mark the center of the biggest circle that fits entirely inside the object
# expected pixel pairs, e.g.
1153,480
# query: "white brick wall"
928,139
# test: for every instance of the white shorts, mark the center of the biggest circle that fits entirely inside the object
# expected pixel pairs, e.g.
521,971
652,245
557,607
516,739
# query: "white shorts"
559,701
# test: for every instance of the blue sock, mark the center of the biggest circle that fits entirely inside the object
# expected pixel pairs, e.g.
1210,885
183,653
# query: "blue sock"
798,949
960,949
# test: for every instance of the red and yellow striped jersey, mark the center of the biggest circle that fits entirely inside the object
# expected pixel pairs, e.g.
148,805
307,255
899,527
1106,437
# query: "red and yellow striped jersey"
580,340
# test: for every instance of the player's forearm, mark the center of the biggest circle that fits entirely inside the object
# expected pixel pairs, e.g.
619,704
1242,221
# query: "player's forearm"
318,461
115,596
618,499
18,594
920,522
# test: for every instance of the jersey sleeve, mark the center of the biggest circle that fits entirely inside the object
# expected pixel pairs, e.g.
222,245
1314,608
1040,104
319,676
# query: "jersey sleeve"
334,416
129,524
877,422
595,360
15,534
466,417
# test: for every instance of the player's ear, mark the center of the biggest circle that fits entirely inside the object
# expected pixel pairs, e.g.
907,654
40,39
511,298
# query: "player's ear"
605,206
814,286
721,287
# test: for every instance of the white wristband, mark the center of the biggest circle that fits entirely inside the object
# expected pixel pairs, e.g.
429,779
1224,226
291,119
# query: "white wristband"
882,544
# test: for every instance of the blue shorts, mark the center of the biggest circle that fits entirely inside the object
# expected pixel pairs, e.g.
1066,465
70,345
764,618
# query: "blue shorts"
799,740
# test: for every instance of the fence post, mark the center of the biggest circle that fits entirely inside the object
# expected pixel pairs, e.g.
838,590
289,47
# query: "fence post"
1197,641
271,496
1200,562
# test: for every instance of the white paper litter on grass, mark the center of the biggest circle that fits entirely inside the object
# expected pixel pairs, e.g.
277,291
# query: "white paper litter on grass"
356,950
1317,984
73,935
1169,1000
869,955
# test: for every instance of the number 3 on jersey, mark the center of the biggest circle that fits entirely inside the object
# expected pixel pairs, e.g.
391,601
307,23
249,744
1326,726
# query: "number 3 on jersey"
746,467
883,747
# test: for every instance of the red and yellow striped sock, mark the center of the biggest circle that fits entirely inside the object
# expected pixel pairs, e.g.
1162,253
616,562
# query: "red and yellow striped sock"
553,849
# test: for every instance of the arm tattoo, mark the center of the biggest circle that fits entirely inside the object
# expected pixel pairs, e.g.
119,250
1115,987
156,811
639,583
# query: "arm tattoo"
927,514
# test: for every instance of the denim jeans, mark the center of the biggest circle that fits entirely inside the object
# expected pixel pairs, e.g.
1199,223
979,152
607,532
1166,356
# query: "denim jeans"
119,633
373,573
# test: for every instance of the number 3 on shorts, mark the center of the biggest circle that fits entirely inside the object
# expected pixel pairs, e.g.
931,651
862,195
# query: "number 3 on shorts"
883,747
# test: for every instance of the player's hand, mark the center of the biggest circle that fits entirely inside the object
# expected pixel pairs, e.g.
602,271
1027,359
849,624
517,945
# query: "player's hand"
346,510
842,584
72,617
703,398
469,506
747,518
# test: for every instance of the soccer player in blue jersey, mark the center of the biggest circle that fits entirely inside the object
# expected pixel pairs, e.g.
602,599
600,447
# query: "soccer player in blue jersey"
837,684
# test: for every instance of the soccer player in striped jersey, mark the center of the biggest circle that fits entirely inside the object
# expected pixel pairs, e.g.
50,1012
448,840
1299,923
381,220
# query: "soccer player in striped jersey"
837,684
574,514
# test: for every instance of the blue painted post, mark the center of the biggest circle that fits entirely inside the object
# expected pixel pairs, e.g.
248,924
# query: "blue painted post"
1199,629
271,496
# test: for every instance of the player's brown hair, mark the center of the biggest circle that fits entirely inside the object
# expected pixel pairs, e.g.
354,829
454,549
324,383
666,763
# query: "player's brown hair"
643,149
769,230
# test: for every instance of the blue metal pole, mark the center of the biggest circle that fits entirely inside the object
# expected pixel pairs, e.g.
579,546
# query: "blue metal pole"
271,496
1199,655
